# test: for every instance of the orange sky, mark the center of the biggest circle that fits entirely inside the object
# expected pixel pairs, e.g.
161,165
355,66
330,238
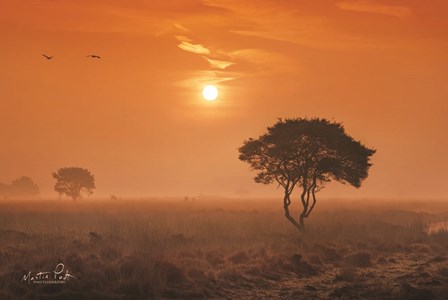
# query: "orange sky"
137,120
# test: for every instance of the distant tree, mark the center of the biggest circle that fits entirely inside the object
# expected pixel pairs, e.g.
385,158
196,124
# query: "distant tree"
23,187
74,181
306,154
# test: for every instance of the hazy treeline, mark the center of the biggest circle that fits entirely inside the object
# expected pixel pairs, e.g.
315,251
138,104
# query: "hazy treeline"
23,187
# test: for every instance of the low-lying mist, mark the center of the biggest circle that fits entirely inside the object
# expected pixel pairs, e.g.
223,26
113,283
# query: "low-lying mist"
223,248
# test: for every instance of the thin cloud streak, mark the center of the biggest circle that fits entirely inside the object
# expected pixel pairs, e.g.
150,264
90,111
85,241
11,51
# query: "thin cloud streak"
182,38
181,27
370,7
193,48
218,64
281,22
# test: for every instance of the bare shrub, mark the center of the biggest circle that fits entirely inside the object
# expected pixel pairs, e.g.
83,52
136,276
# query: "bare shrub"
214,258
346,273
168,273
330,254
410,292
315,259
360,259
302,267
238,257
421,248
381,260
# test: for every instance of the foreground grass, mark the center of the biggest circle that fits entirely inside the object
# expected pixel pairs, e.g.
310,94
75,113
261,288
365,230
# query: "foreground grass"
153,249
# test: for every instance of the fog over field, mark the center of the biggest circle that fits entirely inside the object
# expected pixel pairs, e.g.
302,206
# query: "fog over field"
223,248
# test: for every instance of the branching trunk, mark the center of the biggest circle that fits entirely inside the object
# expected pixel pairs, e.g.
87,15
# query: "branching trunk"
313,193
286,203
308,193
75,192
305,197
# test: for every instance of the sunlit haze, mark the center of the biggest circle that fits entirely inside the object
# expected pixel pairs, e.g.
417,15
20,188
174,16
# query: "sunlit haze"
137,119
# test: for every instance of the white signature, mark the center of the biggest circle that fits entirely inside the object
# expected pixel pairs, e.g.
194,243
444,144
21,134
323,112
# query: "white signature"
58,276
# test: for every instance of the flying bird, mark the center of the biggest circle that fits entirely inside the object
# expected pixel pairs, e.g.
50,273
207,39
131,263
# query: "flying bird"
47,57
93,56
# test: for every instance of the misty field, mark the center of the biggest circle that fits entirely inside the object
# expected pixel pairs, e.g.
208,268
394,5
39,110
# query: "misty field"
224,249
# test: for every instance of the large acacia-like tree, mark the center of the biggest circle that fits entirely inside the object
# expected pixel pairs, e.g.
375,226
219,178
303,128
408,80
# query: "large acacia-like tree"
72,181
305,154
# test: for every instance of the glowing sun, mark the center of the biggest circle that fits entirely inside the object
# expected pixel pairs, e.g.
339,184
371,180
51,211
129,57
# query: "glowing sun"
210,93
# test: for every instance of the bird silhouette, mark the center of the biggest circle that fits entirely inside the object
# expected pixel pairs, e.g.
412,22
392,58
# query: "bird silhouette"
47,57
93,56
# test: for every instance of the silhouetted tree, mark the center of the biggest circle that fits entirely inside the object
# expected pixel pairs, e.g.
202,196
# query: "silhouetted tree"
23,187
73,181
306,153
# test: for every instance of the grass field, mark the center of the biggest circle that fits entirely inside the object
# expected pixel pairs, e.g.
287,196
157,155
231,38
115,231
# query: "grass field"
223,249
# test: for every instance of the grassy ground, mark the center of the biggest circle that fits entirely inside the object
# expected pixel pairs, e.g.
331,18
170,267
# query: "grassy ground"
213,248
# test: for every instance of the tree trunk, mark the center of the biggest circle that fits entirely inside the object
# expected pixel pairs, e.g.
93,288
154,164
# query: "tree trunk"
300,227
304,197
301,220
286,203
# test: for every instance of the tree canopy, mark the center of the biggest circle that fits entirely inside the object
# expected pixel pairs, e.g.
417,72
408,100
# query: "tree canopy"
22,187
74,181
306,153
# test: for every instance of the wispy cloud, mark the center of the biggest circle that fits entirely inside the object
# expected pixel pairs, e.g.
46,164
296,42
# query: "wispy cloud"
260,61
216,59
193,48
371,7
282,21
203,77
182,38
219,64
261,40
181,27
